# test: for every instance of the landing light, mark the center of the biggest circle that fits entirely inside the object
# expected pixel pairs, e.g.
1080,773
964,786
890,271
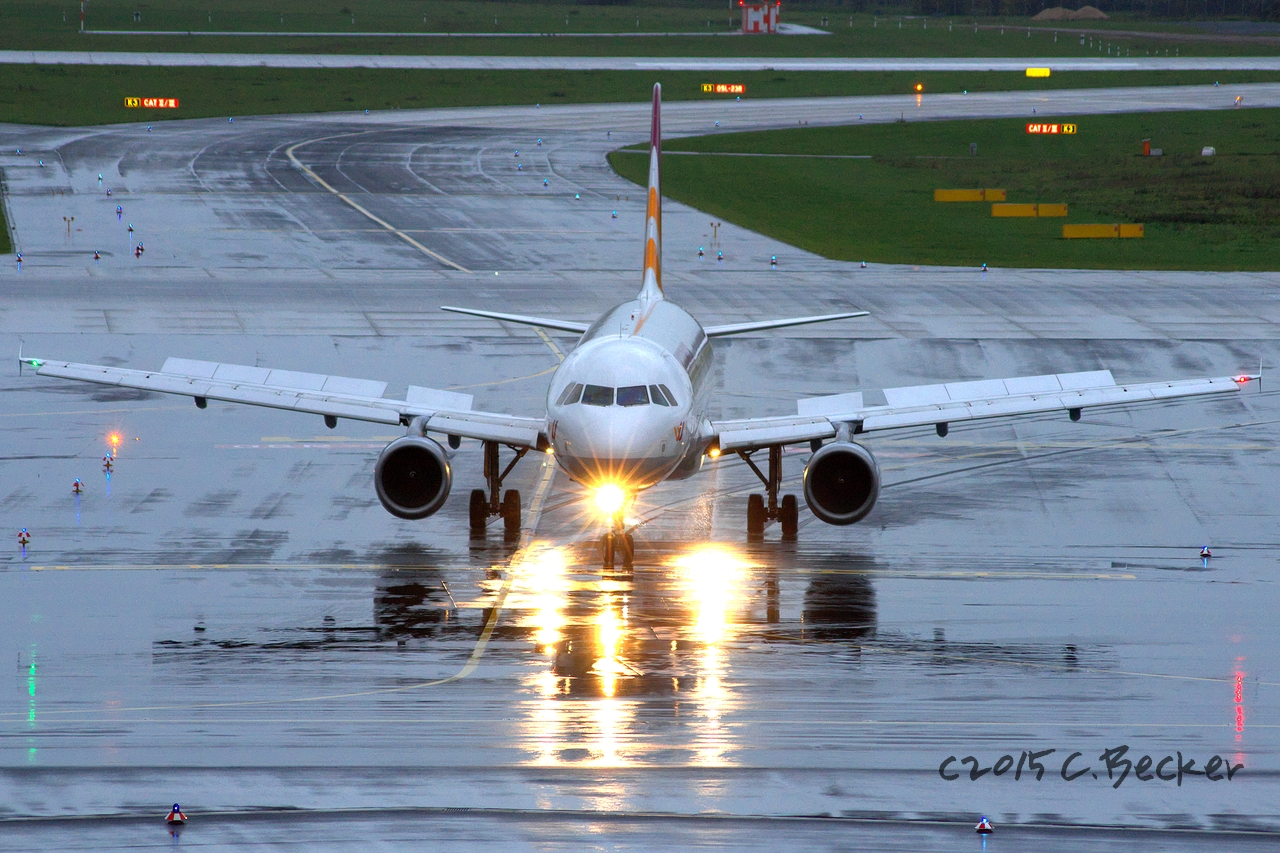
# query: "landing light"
610,499
714,453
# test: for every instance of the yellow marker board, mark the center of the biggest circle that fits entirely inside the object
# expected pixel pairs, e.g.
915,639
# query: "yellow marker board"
1037,72
1101,231
1013,210
969,195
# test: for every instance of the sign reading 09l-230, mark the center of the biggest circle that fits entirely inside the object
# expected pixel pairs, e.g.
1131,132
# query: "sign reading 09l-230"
724,88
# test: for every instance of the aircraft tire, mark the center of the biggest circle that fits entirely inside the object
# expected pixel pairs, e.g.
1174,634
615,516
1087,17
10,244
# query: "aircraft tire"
755,516
789,516
511,514
479,511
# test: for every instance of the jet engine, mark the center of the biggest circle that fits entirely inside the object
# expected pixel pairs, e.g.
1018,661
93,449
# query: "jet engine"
841,482
412,477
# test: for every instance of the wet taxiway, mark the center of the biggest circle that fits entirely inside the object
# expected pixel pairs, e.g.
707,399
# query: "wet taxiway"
231,621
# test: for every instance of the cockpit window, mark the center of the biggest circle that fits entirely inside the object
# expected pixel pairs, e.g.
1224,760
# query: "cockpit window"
570,394
597,395
657,396
671,398
633,395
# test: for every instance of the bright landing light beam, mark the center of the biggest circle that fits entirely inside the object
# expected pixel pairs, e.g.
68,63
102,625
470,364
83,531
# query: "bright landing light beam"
610,499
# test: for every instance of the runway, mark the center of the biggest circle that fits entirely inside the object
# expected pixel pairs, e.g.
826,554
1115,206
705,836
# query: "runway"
231,621
638,63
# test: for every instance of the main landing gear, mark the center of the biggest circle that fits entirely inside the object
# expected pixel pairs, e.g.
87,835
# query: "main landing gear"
787,513
508,508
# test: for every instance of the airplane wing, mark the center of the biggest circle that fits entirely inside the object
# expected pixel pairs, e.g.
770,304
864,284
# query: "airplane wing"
941,405
445,412
761,325
546,323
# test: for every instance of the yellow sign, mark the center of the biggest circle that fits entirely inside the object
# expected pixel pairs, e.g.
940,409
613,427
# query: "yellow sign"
152,103
1051,129
1037,72
724,88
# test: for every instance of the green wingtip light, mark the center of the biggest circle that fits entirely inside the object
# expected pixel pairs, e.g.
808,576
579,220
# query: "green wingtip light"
33,362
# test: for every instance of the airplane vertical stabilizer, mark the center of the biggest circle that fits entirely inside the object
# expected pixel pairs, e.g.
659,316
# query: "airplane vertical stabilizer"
652,282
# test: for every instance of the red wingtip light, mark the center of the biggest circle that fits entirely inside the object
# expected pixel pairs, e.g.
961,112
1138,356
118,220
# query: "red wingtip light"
1243,379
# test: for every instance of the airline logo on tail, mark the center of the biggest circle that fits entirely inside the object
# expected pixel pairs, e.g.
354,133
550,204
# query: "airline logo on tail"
652,282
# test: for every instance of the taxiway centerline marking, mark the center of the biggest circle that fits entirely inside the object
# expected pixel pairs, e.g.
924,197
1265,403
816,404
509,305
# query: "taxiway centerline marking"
387,225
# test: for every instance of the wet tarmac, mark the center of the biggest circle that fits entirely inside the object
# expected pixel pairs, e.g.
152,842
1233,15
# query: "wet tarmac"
231,621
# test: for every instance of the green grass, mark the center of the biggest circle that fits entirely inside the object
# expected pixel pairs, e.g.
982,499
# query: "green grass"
85,95
40,25
1220,213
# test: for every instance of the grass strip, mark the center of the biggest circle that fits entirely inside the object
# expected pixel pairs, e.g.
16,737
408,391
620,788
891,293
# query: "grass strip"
76,96
1201,213
54,25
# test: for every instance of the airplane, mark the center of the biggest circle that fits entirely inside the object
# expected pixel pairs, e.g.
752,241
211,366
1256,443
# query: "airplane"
628,408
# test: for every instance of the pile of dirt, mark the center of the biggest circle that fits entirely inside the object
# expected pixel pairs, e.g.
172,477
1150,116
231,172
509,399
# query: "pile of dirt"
1061,13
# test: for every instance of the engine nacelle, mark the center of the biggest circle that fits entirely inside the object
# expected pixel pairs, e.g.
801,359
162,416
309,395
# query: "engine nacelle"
412,477
841,482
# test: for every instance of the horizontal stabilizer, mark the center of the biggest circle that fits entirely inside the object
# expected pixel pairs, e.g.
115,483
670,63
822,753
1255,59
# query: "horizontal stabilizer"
761,325
561,325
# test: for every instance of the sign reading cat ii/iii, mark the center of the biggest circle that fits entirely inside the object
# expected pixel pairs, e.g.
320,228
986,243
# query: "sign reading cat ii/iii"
1051,129
152,103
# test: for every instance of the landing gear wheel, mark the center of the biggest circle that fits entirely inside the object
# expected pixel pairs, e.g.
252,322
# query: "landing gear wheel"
789,516
755,516
479,512
511,514
607,549
628,544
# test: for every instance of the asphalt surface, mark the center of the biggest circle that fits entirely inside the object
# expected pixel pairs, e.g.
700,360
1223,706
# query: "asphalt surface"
231,621
633,63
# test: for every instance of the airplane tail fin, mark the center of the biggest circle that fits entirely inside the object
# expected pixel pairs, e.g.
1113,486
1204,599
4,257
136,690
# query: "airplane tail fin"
651,288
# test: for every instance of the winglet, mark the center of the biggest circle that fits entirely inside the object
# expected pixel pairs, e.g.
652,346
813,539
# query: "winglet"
651,288
33,362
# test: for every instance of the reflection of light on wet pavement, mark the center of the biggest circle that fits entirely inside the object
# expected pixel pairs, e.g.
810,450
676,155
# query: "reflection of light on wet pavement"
545,581
609,635
711,579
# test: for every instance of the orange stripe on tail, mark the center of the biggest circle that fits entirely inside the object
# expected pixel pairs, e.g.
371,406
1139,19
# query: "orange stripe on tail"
651,288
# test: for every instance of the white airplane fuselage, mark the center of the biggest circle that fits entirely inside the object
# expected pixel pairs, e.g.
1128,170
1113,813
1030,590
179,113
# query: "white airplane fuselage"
643,369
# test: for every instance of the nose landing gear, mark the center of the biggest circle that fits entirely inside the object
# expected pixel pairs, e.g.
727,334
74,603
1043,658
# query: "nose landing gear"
483,506
787,514
617,545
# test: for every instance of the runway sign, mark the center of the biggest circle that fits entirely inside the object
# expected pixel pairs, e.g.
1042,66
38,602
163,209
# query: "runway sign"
1037,72
1051,129
724,88
152,103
